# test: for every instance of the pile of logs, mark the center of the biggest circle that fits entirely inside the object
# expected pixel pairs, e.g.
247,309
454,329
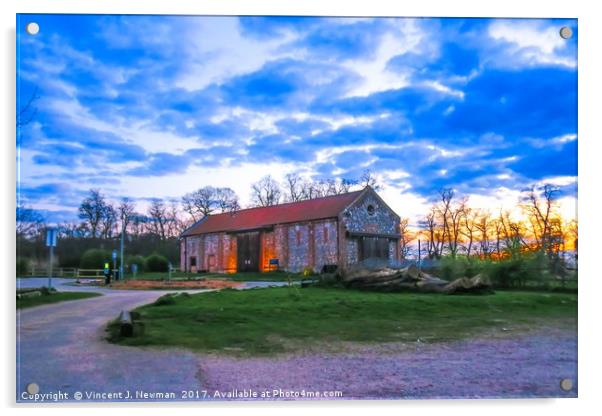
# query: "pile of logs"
411,279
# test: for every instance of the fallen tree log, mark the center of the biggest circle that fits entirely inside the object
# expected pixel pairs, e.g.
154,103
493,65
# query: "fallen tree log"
476,284
410,278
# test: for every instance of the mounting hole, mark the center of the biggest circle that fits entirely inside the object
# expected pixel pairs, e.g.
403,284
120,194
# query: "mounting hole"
32,388
566,32
566,384
32,28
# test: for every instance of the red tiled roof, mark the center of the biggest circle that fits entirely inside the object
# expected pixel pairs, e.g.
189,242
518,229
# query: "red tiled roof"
252,218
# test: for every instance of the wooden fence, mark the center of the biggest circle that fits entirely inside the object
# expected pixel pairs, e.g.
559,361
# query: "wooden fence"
75,272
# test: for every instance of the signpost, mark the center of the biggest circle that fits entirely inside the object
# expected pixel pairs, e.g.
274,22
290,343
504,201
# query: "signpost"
121,252
419,257
114,254
51,235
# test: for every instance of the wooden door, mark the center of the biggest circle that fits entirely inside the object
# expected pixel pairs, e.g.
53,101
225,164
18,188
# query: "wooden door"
211,263
373,247
248,252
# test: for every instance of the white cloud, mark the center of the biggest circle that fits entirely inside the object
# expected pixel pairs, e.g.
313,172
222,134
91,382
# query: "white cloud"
532,42
216,51
405,37
238,177
132,131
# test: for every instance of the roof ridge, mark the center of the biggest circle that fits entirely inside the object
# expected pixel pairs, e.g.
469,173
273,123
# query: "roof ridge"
284,203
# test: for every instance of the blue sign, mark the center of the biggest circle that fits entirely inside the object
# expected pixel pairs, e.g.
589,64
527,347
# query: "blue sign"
114,254
51,237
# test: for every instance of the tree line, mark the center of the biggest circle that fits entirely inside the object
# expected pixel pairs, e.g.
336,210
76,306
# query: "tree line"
157,228
452,228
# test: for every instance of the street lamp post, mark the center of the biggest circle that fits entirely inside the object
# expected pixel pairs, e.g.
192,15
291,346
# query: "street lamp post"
121,275
50,243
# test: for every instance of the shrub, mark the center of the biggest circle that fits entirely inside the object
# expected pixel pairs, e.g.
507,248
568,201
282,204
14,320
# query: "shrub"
518,272
139,260
451,268
95,258
23,266
308,271
157,263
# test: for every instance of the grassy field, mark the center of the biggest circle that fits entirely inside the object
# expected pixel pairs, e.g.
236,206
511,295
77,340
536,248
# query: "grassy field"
267,321
275,276
53,298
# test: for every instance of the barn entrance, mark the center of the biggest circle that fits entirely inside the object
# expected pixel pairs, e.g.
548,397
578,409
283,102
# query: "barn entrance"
373,248
248,252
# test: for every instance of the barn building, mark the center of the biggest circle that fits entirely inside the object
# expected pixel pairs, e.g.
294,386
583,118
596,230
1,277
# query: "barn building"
335,230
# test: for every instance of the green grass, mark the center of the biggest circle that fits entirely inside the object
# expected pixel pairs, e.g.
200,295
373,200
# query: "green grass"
273,320
53,298
275,276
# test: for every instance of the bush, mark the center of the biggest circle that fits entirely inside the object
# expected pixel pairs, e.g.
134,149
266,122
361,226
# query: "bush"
95,258
528,269
139,260
23,266
451,268
520,271
308,271
157,263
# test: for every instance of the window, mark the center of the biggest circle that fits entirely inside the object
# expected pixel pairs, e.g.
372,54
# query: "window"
370,209
193,261
298,237
325,234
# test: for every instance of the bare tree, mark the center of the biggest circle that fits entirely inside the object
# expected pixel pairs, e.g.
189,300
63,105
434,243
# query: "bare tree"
158,218
470,227
540,205
207,200
30,222
512,234
200,203
126,210
91,212
108,221
406,237
175,224
369,179
293,187
483,225
265,192
434,234
226,200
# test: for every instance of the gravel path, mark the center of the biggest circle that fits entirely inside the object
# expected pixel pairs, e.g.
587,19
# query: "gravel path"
61,347
525,366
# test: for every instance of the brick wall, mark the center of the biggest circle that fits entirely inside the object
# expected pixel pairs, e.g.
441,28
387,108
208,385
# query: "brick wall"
190,247
210,248
298,247
352,251
325,243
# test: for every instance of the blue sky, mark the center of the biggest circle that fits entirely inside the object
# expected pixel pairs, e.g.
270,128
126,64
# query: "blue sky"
157,106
